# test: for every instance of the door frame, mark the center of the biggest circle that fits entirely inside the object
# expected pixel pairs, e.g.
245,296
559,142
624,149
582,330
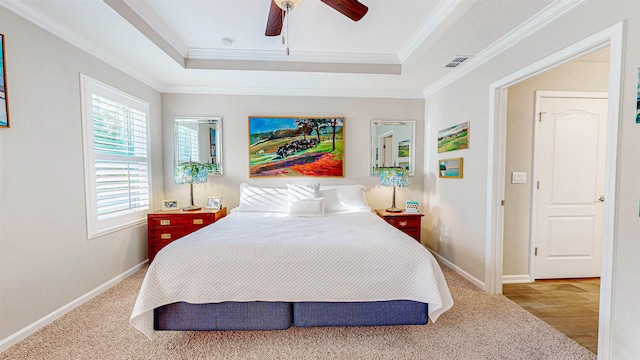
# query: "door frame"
536,138
614,38
381,138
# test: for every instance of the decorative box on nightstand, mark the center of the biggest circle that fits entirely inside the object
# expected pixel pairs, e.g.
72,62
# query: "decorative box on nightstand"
167,226
409,223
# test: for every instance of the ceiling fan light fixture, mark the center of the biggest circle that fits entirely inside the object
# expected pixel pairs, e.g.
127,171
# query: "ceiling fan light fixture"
287,4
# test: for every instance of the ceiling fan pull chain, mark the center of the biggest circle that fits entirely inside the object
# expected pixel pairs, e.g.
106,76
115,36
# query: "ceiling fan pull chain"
287,18
283,13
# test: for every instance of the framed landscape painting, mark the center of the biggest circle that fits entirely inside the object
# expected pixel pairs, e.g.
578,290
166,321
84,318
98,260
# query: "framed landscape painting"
404,148
4,106
454,138
638,103
296,146
450,168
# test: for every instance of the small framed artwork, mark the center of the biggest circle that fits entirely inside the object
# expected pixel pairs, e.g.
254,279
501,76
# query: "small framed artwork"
638,104
450,168
213,203
404,148
454,138
4,102
169,205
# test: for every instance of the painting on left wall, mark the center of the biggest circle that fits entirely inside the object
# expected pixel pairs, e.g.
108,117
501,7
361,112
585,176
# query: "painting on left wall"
638,105
4,104
296,146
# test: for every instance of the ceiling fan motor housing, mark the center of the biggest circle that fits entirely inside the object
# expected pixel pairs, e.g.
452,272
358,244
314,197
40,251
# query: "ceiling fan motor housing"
287,4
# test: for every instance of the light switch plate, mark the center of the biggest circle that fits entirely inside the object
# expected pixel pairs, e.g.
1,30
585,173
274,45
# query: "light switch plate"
518,177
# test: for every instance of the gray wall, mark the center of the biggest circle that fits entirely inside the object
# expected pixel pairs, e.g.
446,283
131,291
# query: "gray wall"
46,260
574,76
461,204
235,110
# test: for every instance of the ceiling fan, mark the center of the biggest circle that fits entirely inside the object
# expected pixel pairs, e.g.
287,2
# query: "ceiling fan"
352,9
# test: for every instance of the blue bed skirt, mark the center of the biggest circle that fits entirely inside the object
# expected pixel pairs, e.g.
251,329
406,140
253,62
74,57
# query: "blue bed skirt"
258,315
261,315
379,313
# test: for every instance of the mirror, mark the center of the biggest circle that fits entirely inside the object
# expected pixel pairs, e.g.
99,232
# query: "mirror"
392,144
199,140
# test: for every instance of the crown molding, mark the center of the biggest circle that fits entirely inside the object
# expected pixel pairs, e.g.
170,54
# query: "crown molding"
547,15
289,66
442,11
130,15
295,56
157,24
356,93
27,12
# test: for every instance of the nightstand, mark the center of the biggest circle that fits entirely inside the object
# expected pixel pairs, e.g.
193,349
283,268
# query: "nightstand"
167,226
409,223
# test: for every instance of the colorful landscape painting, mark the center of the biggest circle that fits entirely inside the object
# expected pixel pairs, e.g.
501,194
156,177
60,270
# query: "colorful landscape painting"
454,138
638,105
4,110
404,148
296,146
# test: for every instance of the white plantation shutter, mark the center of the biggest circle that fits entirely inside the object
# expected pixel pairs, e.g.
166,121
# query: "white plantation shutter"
117,171
187,144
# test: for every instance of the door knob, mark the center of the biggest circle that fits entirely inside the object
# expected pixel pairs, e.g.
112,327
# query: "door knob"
601,198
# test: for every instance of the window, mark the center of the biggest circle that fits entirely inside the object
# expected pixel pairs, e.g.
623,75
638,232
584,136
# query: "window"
187,143
117,164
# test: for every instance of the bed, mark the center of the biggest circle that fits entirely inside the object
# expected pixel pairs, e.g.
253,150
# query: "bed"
302,256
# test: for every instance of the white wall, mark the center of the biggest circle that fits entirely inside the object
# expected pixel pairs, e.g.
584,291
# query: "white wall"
461,204
573,76
46,260
235,110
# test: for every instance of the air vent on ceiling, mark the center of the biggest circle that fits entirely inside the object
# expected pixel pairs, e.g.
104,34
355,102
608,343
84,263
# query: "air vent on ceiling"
457,60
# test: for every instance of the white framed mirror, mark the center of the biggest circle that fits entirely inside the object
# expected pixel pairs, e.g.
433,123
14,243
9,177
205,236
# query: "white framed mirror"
392,144
198,139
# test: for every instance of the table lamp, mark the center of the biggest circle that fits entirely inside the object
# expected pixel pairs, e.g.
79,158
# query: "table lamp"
394,177
192,173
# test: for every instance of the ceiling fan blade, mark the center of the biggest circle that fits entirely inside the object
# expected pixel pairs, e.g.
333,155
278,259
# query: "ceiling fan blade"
274,22
352,9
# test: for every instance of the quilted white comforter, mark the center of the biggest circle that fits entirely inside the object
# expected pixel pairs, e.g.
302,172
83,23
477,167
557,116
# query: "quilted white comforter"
269,257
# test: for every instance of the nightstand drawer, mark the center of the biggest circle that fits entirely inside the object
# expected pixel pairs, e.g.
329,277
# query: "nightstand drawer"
166,227
409,223
163,221
413,232
165,236
402,222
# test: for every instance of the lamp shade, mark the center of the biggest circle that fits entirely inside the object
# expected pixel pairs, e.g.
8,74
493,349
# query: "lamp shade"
192,173
394,177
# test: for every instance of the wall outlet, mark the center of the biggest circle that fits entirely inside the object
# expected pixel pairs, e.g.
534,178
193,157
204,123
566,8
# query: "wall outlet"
447,233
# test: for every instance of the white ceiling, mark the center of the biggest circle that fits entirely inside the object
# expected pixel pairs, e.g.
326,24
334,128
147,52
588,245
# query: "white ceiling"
398,49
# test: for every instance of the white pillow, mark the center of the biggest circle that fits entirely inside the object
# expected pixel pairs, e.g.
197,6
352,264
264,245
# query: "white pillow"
253,198
299,192
307,208
344,198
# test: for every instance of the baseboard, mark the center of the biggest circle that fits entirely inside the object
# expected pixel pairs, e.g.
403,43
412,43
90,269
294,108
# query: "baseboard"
475,281
20,335
516,279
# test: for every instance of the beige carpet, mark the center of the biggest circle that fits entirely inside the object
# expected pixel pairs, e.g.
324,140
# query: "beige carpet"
479,326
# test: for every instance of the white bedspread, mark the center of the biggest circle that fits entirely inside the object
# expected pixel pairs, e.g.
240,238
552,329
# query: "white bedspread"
268,257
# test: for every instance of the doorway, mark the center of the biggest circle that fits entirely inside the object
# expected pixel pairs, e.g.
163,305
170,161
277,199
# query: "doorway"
560,218
612,37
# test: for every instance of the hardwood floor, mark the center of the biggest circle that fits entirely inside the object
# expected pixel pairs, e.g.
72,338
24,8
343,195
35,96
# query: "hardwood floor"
569,305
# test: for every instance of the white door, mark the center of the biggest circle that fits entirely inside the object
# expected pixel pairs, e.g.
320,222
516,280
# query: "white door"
568,195
388,151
